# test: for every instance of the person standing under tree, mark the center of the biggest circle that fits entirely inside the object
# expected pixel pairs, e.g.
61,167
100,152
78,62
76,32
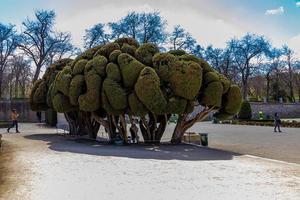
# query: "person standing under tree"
277,122
14,117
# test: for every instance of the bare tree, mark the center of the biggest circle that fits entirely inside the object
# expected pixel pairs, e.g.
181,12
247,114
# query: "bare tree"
95,36
40,40
244,50
181,40
289,54
20,76
8,41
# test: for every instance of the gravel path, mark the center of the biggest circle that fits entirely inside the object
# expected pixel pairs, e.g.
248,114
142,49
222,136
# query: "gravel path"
48,166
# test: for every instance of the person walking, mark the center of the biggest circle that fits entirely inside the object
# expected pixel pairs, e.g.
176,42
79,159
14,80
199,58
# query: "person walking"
277,122
133,131
39,116
14,117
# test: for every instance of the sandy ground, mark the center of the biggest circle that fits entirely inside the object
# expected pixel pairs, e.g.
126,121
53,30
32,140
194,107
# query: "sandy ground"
45,166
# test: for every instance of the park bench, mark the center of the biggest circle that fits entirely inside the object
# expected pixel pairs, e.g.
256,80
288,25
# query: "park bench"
196,138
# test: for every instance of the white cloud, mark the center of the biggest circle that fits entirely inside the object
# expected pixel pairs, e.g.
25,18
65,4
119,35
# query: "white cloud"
277,11
298,4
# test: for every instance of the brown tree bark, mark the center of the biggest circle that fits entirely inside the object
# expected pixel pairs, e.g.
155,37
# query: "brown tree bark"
184,123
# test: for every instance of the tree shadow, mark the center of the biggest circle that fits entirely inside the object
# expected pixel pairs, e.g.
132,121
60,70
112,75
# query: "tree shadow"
160,152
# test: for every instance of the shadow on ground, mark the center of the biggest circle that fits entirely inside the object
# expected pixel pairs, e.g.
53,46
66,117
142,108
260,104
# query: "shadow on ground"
161,152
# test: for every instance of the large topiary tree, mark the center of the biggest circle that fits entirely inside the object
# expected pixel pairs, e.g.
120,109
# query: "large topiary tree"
123,83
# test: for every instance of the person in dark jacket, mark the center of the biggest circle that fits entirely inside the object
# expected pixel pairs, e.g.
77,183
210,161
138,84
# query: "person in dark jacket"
277,122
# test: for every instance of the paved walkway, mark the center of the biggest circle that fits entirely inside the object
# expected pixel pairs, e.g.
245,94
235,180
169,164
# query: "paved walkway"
46,166
253,140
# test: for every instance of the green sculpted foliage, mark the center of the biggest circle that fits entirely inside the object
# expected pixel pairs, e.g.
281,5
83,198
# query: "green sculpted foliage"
76,89
113,72
88,54
62,104
63,81
212,95
233,100
210,77
136,106
39,93
177,52
177,105
149,93
130,69
79,66
107,49
98,64
129,41
145,53
130,49
162,63
186,79
90,101
115,94
225,82
205,66
113,57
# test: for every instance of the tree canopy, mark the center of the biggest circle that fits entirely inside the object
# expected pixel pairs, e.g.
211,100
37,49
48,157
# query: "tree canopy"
124,79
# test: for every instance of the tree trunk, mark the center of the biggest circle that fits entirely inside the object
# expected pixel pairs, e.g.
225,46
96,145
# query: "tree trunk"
161,128
111,129
37,72
91,125
291,88
150,132
145,129
72,119
183,124
268,87
1,80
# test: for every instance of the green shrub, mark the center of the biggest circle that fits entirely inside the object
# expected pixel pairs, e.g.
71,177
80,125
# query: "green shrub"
245,111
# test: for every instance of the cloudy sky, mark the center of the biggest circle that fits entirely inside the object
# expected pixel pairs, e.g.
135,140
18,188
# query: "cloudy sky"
210,22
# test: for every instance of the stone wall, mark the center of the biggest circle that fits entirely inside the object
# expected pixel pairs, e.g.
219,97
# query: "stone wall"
285,110
22,107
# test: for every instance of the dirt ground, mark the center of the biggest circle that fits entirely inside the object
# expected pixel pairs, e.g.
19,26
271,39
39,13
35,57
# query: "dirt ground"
39,164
